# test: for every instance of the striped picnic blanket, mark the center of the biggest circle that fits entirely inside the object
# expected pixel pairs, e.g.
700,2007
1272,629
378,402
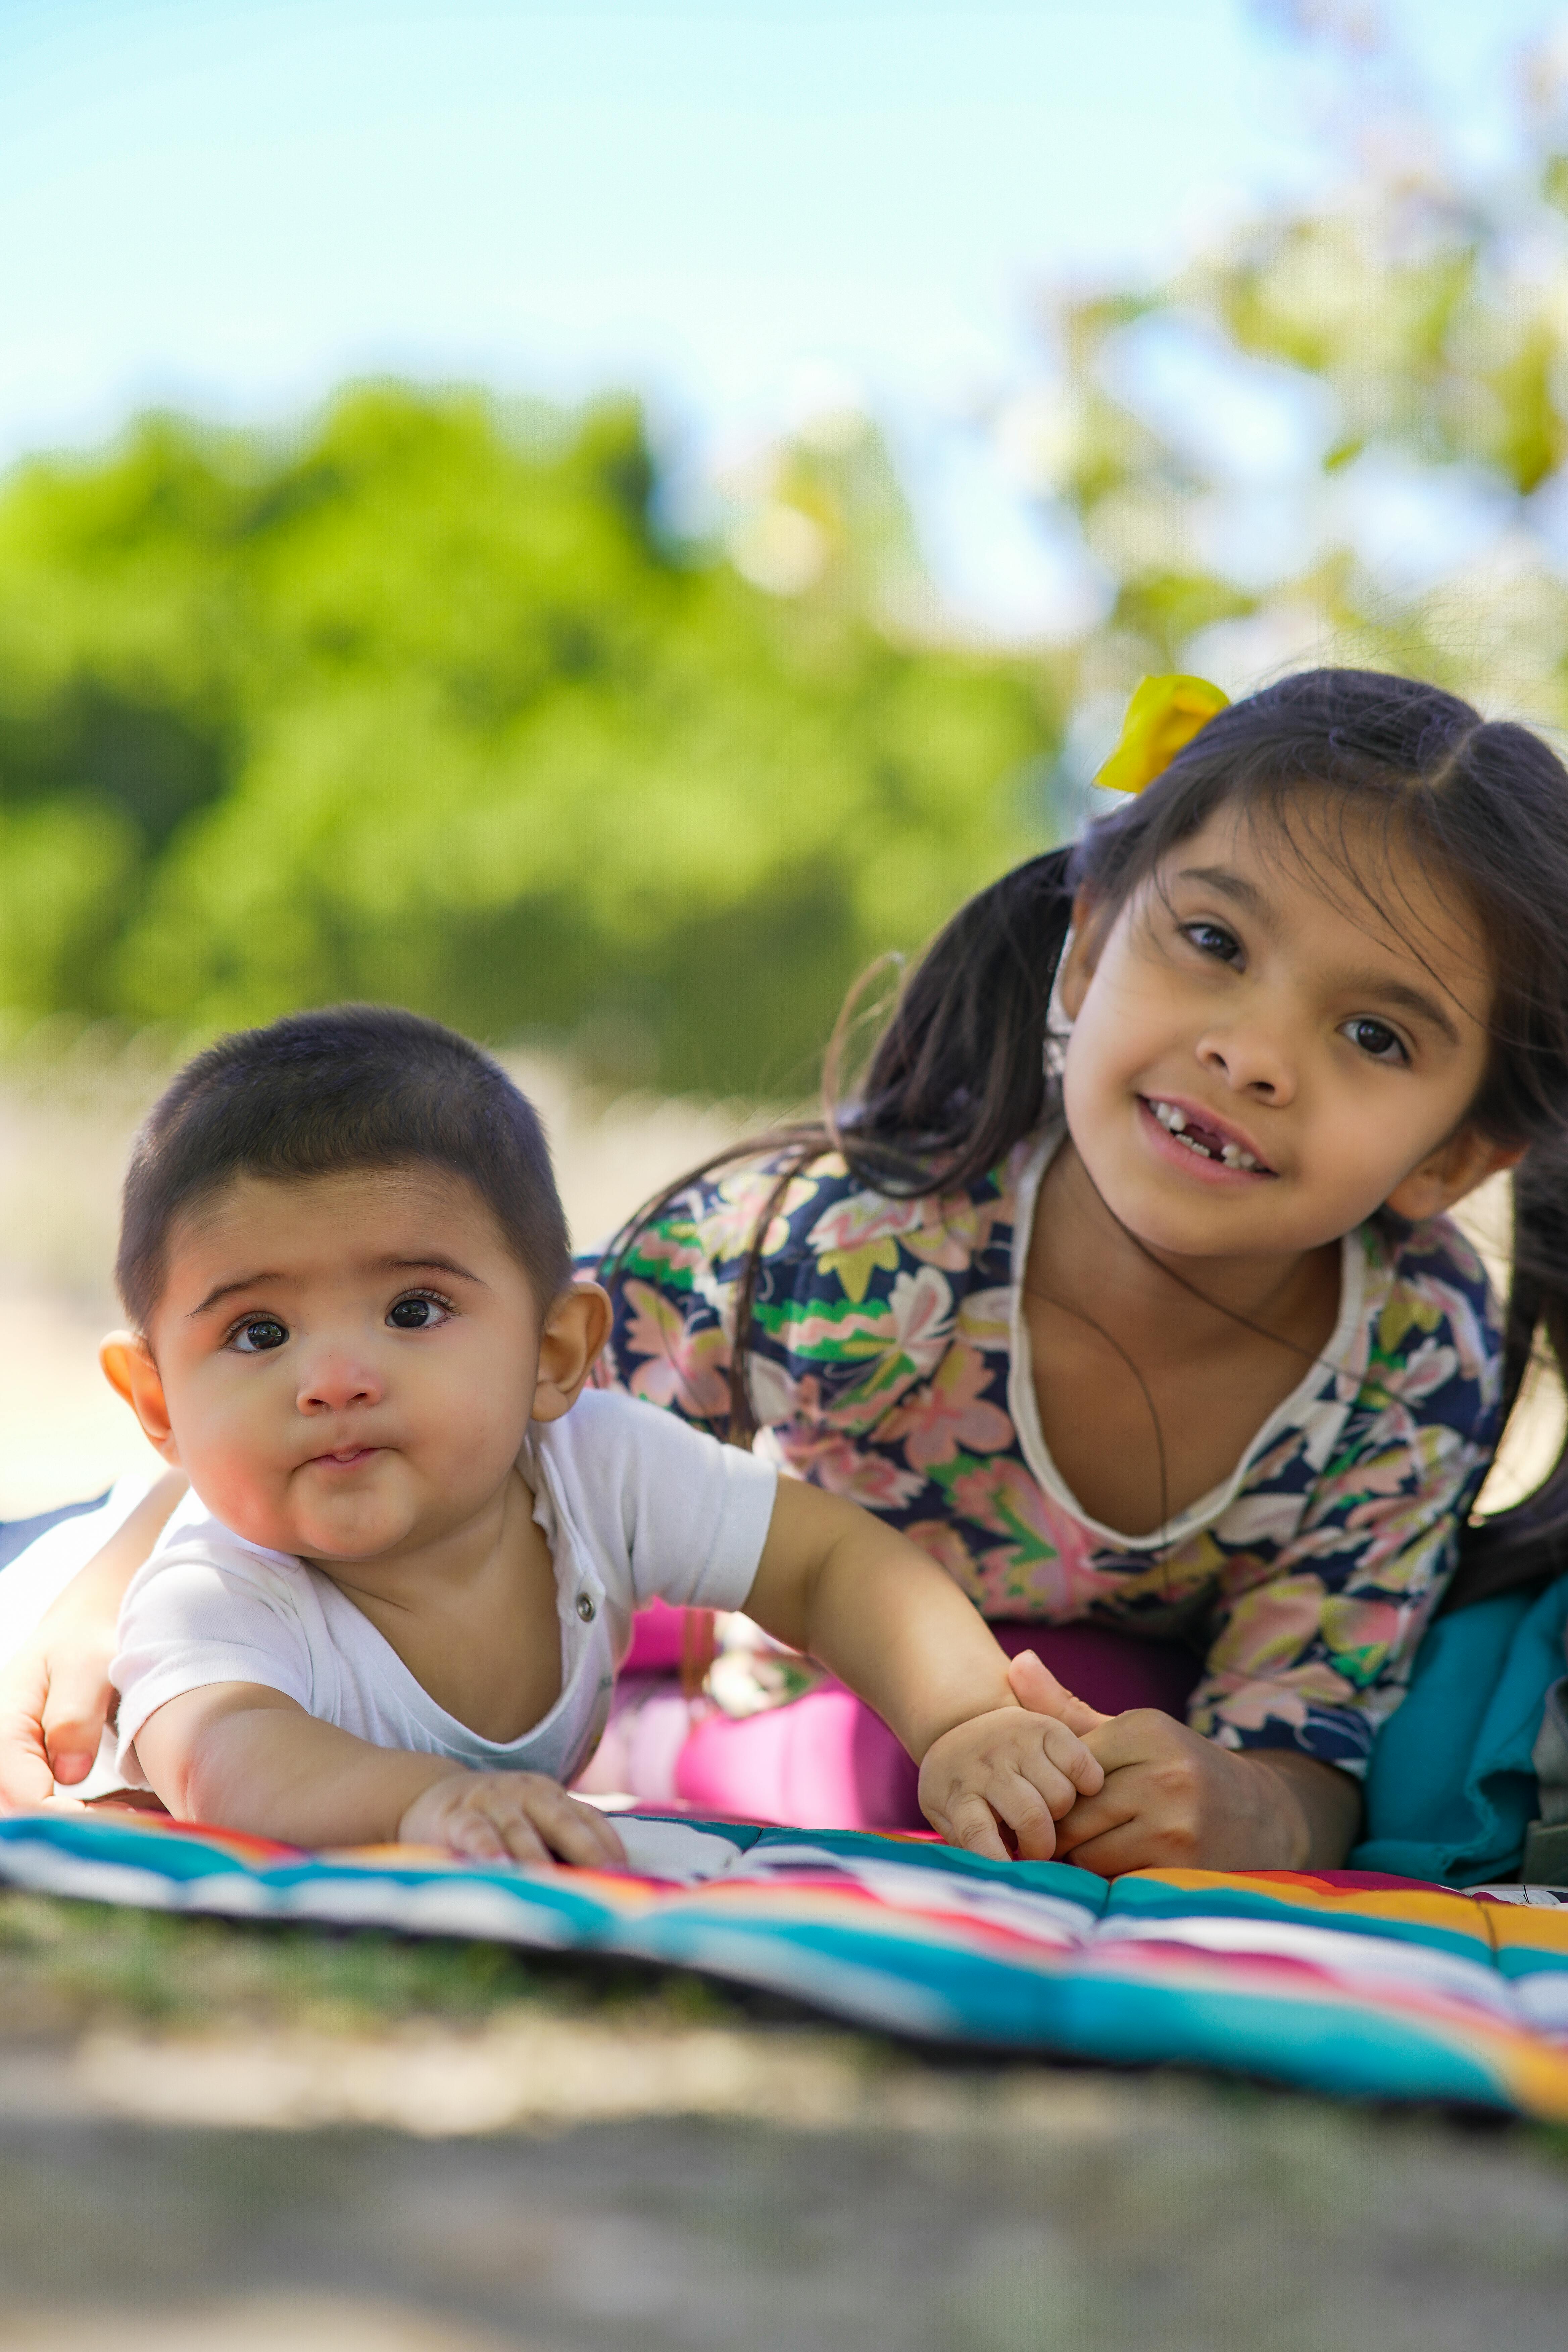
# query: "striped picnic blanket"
1345,1982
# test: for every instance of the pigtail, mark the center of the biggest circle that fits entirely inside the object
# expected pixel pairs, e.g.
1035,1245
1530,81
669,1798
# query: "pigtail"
956,1078
1524,1547
957,1075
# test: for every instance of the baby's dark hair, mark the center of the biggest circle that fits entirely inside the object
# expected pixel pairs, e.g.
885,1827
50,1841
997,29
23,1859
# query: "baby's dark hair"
354,1086
956,1078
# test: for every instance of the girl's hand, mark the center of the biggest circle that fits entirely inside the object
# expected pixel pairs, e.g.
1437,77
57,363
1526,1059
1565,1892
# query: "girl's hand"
1173,1799
519,1816
55,1693
1012,1767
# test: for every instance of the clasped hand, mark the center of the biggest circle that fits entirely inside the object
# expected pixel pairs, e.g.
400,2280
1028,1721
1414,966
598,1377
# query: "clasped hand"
1117,1792
1015,1767
1168,1797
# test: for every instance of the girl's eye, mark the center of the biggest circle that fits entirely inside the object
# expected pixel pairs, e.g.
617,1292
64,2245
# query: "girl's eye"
1375,1038
416,1314
1214,939
260,1333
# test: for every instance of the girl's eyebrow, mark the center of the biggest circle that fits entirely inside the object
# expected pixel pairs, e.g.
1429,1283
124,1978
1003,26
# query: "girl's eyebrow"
1383,986
1388,990
1231,885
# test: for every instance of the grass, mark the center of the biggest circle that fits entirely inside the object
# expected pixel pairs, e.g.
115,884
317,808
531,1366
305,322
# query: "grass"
68,1966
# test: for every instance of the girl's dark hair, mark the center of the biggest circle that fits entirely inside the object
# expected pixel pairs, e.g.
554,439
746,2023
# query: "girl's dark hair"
956,1078
356,1085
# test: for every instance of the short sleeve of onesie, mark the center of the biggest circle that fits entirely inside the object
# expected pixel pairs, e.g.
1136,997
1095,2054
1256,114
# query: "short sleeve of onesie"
682,1520
212,1610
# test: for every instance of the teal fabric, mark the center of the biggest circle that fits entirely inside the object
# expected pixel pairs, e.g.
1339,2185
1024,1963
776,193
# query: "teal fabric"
1451,1790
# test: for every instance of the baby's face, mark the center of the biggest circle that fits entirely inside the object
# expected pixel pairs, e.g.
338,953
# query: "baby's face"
348,1362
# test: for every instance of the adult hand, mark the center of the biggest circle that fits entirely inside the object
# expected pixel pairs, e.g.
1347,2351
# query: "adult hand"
1013,1767
55,1697
516,1816
1172,1799
54,1691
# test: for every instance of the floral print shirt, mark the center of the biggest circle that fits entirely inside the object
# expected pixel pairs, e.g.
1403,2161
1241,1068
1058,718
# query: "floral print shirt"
890,1363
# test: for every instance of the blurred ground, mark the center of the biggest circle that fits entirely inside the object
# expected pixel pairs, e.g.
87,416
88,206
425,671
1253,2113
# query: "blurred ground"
216,2136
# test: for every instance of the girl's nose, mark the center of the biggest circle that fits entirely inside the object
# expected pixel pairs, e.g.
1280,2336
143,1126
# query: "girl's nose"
332,1383
1250,1061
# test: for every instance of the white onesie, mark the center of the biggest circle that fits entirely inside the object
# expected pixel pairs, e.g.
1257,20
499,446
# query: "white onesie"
634,1506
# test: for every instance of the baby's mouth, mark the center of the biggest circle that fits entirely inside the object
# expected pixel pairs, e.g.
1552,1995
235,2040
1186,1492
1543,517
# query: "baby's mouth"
1207,1143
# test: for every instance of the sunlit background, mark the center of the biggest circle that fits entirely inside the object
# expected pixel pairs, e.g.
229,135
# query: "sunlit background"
599,521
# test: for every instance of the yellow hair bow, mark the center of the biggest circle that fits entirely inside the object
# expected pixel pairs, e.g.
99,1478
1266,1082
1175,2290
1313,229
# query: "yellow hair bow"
1162,718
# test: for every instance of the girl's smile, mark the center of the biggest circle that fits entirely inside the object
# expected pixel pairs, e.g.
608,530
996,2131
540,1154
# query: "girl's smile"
1213,1149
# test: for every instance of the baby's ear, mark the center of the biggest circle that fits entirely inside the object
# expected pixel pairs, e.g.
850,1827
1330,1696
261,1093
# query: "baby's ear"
129,1369
1448,1174
575,1330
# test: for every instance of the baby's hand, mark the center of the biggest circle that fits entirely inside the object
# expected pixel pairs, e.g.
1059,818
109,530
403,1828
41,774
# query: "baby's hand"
1012,1767
493,1816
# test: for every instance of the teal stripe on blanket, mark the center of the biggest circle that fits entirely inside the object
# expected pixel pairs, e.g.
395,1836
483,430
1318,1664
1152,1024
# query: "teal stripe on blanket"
1357,1986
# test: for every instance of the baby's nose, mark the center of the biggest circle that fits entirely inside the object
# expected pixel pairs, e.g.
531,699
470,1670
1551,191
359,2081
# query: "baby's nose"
333,1383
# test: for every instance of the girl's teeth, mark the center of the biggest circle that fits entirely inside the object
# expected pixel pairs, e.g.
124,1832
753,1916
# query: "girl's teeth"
1174,1123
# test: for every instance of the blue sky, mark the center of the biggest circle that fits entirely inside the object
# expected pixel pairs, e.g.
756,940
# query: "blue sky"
231,204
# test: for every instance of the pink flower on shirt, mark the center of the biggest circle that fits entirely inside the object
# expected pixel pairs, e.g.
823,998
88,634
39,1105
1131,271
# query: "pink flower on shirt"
676,1365
830,1461
1046,1570
949,1413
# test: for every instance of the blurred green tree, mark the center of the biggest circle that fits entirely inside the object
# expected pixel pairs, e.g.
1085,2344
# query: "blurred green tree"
426,707
1338,432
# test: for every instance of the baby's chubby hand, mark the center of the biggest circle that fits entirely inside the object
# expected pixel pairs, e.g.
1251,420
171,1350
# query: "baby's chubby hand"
509,1816
1011,1769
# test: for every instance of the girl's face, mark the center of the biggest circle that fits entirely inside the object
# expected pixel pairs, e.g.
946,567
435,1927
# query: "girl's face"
1255,1068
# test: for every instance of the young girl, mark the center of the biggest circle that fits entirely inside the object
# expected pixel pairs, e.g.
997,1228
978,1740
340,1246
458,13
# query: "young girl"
1123,1285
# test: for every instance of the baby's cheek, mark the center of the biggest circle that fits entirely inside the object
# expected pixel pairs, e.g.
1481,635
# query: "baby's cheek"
470,1448
237,1481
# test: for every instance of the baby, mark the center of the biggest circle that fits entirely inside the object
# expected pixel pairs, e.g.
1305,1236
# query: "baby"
395,1603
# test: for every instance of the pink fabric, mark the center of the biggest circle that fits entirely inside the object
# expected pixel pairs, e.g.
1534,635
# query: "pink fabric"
650,1722
1113,1670
826,1761
657,1633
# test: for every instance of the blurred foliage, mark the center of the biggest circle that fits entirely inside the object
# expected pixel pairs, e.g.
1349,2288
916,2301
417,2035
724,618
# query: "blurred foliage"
431,704
1338,432
425,705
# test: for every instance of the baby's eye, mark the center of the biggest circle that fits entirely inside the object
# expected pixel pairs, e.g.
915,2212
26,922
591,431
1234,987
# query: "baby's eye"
1374,1038
259,1333
418,1312
1214,939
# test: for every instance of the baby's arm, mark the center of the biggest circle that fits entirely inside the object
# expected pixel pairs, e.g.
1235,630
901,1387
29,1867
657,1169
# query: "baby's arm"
241,1755
55,1693
880,1613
